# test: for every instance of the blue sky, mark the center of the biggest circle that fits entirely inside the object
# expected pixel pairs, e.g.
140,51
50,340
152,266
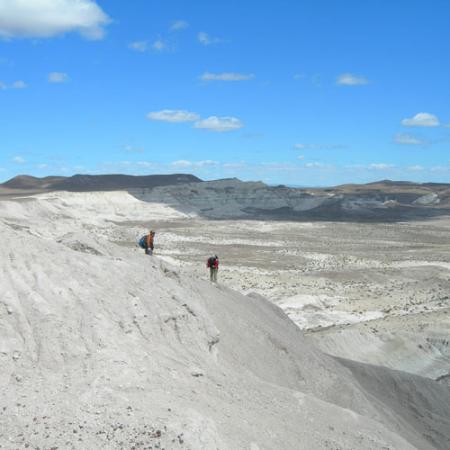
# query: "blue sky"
297,92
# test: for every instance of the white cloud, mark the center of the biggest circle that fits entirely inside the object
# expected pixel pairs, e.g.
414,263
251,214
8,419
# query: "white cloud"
19,84
415,168
408,139
194,164
226,76
314,165
206,163
42,166
238,165
181,163
133,149
440,169
300,157
348,79
175,116
212,123
381,166
139,46
206,39
159,45
145,164
178,25
47,18
19,160
219,124
318,146
58,77
447,125
421,120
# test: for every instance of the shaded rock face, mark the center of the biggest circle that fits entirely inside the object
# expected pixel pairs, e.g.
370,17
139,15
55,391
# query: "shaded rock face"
235,199
104,347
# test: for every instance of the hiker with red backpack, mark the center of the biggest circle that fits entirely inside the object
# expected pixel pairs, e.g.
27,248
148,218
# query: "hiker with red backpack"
213,265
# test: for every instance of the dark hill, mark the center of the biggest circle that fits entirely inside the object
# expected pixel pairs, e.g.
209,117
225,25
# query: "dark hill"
80,183
29,182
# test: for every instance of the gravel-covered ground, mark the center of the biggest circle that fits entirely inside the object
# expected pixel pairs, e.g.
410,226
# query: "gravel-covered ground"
377,293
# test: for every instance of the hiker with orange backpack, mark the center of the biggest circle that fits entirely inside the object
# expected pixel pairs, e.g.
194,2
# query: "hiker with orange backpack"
147,242
150,243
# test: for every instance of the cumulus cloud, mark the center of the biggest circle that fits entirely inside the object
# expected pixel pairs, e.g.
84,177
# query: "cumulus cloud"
58,77
172,115
159,45
19,84
194,164
348,79
139,46
226,76
47,18
408,139
206,39
219,124
178,25
314,165
415,168
132,149
440,169
318,146
381,166
181,163
234,165
421,120
19,160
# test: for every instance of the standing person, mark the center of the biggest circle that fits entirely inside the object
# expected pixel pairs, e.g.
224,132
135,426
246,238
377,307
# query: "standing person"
213,265
150,243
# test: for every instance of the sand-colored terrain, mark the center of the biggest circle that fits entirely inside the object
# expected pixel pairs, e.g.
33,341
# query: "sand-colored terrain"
104,347
378,293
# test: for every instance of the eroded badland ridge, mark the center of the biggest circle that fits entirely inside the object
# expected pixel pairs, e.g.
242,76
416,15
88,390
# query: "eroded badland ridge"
232,198
104,347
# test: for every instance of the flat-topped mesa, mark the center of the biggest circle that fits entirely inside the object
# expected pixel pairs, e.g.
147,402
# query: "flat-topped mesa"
232,198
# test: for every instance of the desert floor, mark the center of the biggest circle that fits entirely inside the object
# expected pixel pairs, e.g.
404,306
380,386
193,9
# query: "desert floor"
377,293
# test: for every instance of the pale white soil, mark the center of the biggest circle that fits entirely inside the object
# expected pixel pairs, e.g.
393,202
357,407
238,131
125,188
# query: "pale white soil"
103,347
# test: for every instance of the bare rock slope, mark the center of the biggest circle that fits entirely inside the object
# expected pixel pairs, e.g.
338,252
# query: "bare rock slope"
103,347
232,198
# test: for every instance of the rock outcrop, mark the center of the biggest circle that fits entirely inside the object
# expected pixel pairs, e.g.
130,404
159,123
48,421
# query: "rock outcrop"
232,198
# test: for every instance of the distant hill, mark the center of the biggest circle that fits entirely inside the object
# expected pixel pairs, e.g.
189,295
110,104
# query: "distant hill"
83,183
32,183
232,198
